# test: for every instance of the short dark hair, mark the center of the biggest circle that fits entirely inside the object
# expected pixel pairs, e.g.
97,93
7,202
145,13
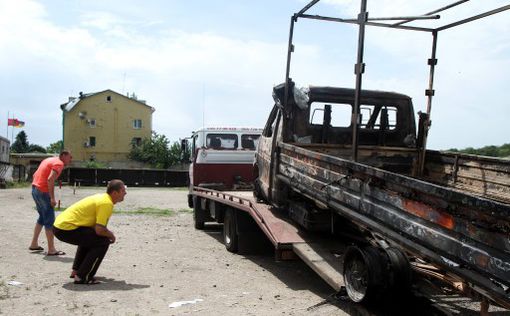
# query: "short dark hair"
64,152
114,185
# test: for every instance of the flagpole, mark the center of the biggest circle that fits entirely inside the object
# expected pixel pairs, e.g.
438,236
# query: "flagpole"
12,131
7,136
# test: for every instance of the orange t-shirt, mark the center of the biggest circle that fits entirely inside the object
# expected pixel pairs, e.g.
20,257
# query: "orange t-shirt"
44,170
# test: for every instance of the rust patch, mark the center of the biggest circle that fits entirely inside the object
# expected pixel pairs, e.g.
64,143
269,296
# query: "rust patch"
481,260
428,213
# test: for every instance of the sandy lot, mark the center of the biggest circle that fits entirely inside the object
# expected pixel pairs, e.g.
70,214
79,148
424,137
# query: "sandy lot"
157,261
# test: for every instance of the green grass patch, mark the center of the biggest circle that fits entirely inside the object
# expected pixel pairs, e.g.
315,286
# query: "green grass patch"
17,185
147,211
179,189
143,211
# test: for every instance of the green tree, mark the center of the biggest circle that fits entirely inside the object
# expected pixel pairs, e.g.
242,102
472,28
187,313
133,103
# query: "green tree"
492,151
20,145
33,148
175,153
55,147
153,151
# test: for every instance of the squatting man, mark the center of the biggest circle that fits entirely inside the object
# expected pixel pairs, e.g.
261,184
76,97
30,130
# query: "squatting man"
84,224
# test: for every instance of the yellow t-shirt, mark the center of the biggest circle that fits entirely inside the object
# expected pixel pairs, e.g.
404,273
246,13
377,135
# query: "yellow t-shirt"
92,210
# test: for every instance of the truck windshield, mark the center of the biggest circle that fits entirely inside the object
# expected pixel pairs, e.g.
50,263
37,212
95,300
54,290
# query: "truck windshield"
221,141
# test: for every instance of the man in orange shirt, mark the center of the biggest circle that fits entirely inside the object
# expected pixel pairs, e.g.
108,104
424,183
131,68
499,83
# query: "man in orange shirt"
43,192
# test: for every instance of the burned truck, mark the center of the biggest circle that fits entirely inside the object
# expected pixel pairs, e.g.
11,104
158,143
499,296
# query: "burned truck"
351,166
454,215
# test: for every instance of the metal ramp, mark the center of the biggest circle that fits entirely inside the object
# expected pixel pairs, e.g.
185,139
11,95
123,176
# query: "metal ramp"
322,255
323,261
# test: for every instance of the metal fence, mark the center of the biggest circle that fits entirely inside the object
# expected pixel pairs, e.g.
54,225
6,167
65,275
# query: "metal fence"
131,177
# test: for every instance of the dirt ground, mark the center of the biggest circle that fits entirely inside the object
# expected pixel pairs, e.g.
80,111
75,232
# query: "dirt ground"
158,262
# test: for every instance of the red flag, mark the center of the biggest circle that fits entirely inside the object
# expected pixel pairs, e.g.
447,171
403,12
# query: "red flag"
15,122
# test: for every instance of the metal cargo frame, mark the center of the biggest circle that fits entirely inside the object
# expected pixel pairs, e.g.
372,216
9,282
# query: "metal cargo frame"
363,20
482,286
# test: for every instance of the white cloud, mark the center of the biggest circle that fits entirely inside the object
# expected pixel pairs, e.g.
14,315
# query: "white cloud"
185,74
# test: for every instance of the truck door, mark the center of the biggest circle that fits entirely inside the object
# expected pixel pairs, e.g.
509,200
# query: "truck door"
265,154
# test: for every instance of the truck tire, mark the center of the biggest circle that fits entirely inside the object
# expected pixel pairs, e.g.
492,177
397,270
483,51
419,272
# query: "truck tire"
257,191
198,214
190,200
401,273
230,236
363,273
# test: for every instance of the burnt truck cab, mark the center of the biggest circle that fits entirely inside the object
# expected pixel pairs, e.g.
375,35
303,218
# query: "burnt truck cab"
320,119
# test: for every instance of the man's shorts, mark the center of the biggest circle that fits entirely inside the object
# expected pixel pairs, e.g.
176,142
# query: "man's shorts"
44,208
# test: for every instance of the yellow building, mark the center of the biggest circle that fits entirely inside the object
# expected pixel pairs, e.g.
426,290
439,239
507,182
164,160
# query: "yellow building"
104,126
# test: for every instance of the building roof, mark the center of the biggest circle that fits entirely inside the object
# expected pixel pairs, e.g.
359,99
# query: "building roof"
73,101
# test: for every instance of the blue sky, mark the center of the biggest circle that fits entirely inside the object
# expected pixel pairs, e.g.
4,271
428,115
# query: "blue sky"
215,62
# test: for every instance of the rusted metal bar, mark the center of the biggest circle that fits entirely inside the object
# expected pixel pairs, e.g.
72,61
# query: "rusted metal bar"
473,18
307,7
455,168
359,70
350,21
290,49
435,11
429,93
420,17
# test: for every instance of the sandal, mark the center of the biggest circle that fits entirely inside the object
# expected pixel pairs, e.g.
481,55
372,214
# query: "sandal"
38,248
83,281
58,253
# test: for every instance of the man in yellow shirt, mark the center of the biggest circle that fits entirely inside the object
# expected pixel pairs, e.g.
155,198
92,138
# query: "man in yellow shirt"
84,224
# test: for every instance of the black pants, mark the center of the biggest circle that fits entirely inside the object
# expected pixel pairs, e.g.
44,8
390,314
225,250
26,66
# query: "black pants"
91,249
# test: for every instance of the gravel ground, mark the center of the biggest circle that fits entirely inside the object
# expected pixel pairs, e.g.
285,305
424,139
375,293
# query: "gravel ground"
161,265
157,260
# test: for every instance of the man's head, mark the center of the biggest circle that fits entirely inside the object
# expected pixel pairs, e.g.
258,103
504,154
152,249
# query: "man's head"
117,190
65,156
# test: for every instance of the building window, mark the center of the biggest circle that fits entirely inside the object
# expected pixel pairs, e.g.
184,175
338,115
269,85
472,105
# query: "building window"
92,141
109,98
91,123
137,124
136,141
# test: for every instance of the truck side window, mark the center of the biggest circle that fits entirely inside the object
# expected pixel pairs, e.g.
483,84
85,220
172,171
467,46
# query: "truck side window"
378,117
340,114
194,145
249,141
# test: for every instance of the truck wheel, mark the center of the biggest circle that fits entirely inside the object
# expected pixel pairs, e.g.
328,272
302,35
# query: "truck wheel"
190,201
198,214
401,273
230,236
256,190
363,273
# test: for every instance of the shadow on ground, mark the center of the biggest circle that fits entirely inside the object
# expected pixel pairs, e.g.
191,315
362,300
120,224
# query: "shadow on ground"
106,284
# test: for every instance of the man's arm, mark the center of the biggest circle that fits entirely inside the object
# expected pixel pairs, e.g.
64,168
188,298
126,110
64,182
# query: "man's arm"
105,232
51,187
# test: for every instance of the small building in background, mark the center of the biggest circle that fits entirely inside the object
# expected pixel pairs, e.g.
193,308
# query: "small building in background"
24,165
104,126
5,144
5,166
